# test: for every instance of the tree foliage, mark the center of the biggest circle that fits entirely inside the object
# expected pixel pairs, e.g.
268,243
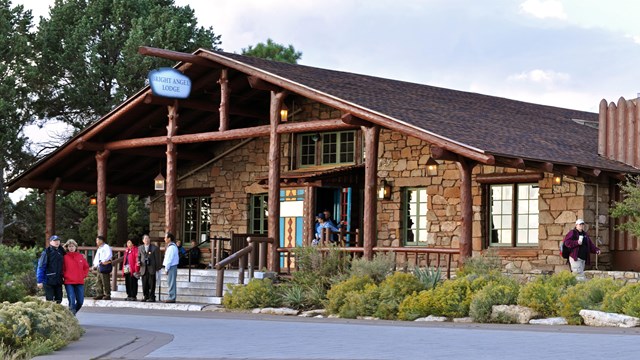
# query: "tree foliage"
629,207
15,70
273,51
87,52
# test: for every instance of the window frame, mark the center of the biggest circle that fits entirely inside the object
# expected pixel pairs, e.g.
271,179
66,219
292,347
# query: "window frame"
406,216
264,219
319,148
515,214
199,223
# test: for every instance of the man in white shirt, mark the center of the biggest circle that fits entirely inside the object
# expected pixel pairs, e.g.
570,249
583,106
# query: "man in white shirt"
170,264
102,257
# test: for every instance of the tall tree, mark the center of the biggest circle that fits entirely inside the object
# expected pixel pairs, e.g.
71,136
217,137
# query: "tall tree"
87,52
273,51
15,67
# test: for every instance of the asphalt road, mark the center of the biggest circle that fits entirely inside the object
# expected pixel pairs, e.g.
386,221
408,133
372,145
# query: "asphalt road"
206,335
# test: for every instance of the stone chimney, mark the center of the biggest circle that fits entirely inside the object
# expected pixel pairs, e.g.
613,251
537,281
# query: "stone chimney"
619,131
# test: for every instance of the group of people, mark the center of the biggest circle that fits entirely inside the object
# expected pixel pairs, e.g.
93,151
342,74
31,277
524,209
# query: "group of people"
64,265
324,221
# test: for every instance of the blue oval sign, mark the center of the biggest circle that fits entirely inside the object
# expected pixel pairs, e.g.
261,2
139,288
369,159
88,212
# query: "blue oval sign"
169,82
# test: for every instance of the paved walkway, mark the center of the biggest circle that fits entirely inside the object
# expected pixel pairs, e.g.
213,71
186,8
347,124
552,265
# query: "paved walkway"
155,334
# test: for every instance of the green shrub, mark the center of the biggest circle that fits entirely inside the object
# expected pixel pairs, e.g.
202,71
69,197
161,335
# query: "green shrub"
257,293
36,327
417,305
17,278
337,295
393,290
377,269
360,302
487,262
503,292
586,295
452,298
543,293
293,296
429,277
616,302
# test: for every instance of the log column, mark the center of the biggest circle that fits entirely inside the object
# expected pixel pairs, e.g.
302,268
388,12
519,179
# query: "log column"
172,162
277,99
224,100
369,233
101,165
50,211
310,216
466,202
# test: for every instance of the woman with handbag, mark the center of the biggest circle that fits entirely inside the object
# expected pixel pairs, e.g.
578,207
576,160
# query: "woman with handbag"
130,269
102,263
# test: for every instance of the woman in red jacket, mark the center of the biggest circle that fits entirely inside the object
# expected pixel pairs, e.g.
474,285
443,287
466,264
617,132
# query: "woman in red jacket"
75,269
130,269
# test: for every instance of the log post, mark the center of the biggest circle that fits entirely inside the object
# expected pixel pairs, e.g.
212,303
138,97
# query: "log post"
50,211
371,137
172,159
310,217
101,165
466,202
277,98
224,100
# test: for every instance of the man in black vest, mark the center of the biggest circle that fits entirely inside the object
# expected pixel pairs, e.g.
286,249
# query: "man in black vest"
49,272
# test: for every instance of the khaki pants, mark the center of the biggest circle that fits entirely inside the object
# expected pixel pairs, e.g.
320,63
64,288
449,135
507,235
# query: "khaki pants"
103,285
577,268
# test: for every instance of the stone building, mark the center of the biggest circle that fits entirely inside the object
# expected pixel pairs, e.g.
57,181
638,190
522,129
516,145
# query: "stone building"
261,147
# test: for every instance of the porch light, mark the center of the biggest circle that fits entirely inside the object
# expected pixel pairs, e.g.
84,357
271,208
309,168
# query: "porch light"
557,179
284,112
384,191
93,201
315,137
432,167
159,182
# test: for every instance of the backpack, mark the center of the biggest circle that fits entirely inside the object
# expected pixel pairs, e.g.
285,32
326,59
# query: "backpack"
565,251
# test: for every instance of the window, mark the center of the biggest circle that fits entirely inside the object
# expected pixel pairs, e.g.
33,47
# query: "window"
415,228
513,215
327,148
258,219
196,218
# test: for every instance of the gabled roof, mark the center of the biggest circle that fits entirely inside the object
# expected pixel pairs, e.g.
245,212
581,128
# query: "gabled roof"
464,121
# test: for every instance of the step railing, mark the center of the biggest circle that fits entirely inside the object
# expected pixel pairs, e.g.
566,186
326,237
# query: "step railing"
245,259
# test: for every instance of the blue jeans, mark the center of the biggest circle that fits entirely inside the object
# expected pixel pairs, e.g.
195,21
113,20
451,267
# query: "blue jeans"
75,295
171,282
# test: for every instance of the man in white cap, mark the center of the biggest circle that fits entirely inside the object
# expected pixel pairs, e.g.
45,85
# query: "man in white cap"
581,247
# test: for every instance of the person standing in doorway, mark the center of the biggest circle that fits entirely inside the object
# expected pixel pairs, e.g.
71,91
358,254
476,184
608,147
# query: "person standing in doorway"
581,249
131,270
170,264
74,270
149,261
102,263
49,271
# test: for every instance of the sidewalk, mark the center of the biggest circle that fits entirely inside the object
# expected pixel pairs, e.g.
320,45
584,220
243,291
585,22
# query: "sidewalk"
98,342
121,303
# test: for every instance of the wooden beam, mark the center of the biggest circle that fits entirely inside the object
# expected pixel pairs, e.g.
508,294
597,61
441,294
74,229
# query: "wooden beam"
369,233
466,208
439,153
89,146
508,178
360,112
315,126
259,84
176,56
517,163
89,187
170,197
544,166
273,194
224,100
352,120
566,169
101,168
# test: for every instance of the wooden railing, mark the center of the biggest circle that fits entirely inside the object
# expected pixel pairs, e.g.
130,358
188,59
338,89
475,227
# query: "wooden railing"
116,259
421,256
245,259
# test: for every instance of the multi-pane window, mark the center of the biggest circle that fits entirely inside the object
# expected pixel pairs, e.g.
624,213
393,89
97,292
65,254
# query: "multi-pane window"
327,148
196,218
514,214
258,219
416,227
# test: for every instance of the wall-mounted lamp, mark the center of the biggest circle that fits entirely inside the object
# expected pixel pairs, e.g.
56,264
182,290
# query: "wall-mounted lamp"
315,137
557,180
284,112
93,201
384,191
432,167
158,182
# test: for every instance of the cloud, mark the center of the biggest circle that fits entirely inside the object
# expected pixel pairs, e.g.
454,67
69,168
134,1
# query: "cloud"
538,76
543,9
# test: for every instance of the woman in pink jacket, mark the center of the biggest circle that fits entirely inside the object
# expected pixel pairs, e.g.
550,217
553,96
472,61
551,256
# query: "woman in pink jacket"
131,270
75,269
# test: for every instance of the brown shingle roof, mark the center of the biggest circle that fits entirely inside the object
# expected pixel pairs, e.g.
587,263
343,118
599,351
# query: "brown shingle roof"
495,125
